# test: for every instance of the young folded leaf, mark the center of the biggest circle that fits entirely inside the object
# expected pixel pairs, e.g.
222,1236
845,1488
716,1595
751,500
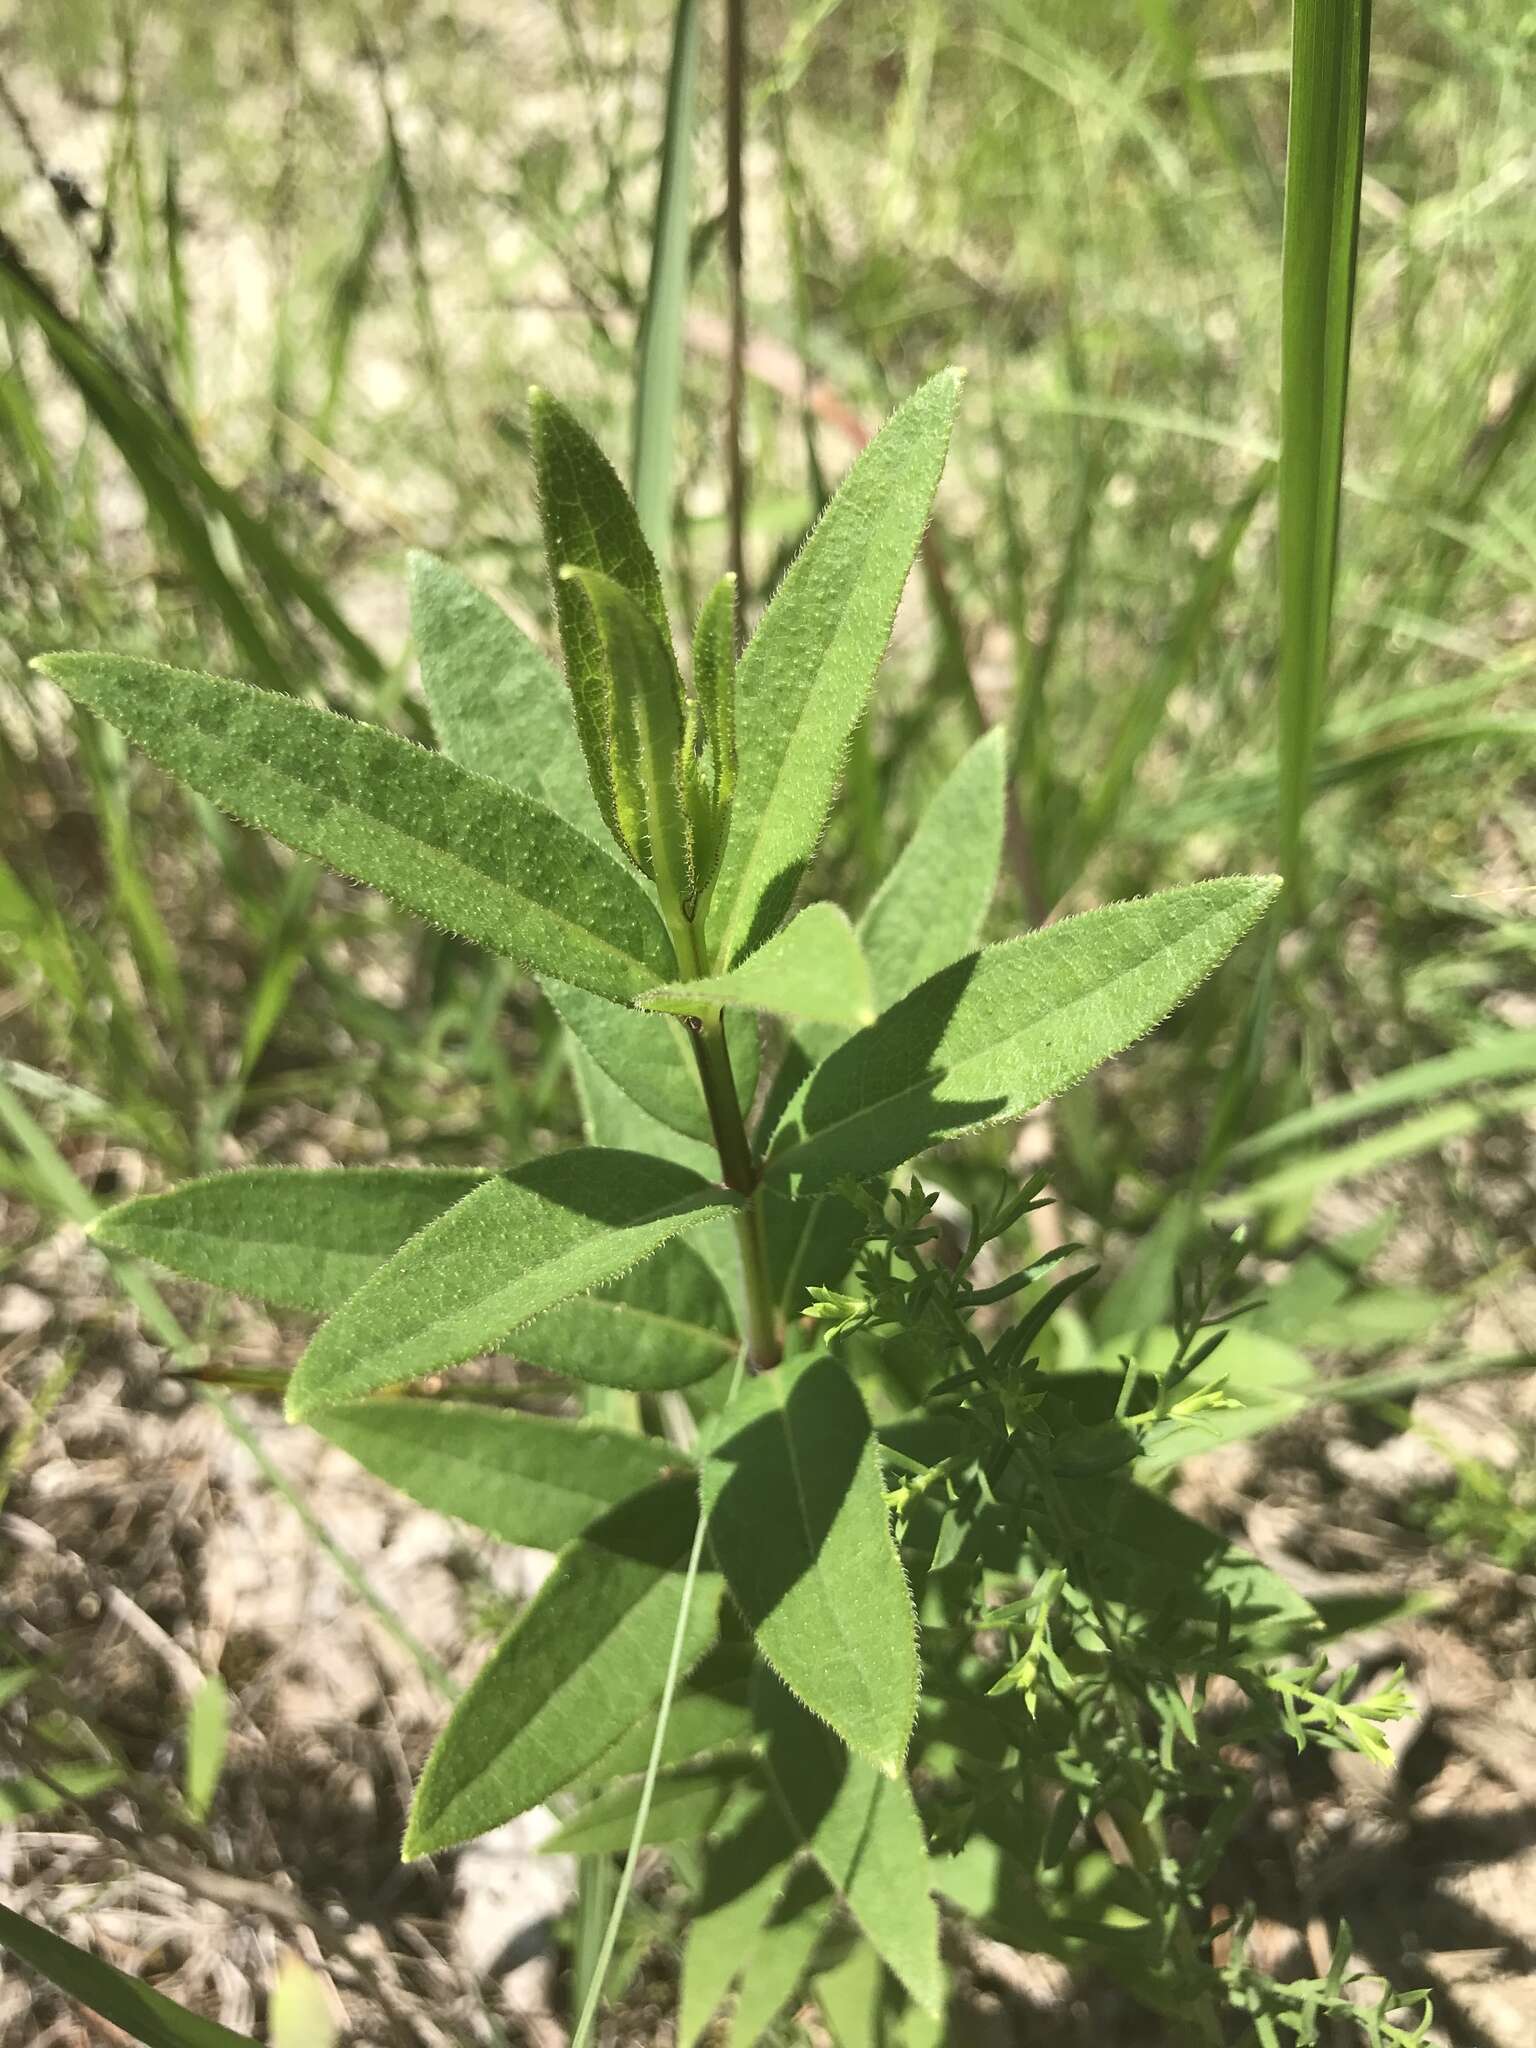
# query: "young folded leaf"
1003,1029
589,523
583,1662
802,684
714,690
525,1478
813,971
470,854
522,1243
645,744
797,1517
497,705
862,1827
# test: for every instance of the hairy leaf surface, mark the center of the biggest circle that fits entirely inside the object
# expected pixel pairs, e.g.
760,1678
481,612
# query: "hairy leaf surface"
1003,1029
813,972
522,1243
527,1478
585,1661
468,853
803,682
799,1526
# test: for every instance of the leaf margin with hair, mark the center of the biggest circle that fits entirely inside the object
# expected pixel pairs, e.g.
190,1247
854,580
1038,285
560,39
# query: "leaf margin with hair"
221,738
812,970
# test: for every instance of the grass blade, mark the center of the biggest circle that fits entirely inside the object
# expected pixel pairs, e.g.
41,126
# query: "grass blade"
1330,63
659,372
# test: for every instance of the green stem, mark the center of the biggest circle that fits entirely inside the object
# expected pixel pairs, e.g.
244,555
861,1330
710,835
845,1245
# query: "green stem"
738,1167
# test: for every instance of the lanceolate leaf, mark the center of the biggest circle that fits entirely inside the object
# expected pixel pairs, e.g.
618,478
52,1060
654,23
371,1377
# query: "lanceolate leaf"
310,1240
802,684
930,908
812,971
780,1957
522,1243
497,705
799,1526
525,1478
453,846
122,2001
863,1830
581,1666
1003,1029
649,1056
281,1235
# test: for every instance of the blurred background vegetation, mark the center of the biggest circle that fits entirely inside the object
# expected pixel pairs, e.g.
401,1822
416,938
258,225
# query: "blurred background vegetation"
274,280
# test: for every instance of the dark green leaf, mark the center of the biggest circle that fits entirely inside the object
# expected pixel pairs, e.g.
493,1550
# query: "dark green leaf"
799,1525
686,1804
863,1830
122,2001
584,1663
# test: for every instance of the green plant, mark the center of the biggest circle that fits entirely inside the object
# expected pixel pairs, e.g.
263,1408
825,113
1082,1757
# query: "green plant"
728,1647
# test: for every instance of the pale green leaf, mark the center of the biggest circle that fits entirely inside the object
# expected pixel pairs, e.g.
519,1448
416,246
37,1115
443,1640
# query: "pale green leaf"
863,1830
299,2013
207,1739
497,705
651,1059
1003,1029
803,683
848,1996
279,1234
584,1662
799,1526
144,2015
813,972
745,1872
526,1478
453,846
931,906
686,1804
522,1243
27,1796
